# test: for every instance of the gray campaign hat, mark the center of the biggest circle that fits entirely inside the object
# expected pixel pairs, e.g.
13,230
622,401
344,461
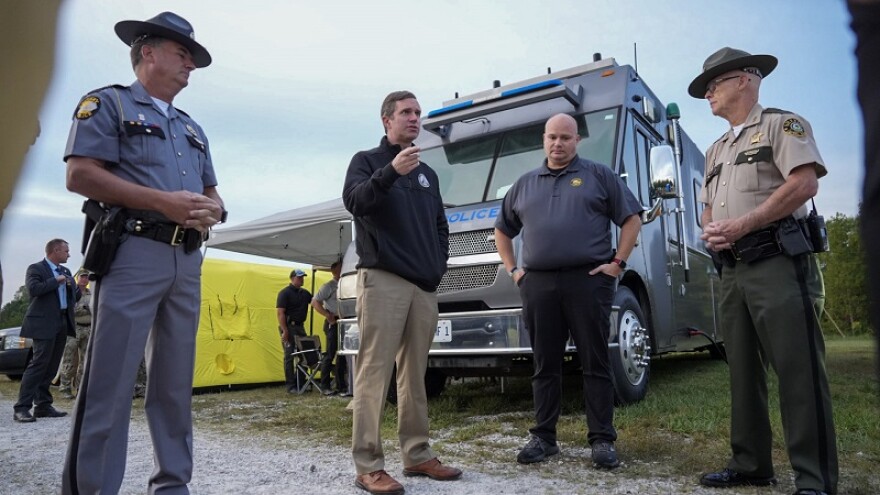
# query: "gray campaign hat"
167,25
726,60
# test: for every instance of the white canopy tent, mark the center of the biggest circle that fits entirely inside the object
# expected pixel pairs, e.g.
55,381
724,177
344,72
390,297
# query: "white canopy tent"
317,234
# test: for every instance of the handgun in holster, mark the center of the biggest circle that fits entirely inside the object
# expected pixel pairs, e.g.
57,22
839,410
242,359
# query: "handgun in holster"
791,238
103,232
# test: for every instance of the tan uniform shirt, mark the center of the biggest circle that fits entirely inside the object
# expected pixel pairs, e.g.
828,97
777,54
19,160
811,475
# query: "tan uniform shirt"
742,172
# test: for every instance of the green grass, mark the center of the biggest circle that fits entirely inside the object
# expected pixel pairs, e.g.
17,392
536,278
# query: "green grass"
680,430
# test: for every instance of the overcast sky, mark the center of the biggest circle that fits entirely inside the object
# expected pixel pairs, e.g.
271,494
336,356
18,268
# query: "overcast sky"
295,87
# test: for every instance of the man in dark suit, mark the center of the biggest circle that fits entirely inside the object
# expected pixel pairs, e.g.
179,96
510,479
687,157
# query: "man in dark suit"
49,320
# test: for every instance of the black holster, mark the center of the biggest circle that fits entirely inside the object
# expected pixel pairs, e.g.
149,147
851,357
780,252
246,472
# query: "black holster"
791,238
107,232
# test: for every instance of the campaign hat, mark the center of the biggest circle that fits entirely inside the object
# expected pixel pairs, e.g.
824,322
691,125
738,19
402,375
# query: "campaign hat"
169,26
726,60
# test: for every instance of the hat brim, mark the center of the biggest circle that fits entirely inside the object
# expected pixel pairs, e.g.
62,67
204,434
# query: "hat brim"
128,31
764,63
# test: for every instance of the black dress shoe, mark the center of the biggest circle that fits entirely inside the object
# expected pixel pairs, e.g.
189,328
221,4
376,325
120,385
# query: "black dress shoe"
727,478
49,413
23,417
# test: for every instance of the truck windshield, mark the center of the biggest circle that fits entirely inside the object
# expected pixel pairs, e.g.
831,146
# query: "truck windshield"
483,169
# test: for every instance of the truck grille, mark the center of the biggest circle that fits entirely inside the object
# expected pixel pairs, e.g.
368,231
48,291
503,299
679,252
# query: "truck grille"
461,278
473,242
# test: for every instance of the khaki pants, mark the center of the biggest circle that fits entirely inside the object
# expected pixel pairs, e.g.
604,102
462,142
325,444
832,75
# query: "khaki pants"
397,321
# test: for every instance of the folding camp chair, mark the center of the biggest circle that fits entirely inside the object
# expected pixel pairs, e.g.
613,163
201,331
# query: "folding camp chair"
307,359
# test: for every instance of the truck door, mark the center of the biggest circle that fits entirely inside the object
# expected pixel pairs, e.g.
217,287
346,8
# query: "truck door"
653,244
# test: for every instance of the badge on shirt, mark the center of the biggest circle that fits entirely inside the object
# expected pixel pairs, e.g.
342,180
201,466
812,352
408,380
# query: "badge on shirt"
576,182
756,138
423,181
88,107
793,127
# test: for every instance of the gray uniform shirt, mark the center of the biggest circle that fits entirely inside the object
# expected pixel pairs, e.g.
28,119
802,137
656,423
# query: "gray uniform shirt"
565,218
123,127
326,295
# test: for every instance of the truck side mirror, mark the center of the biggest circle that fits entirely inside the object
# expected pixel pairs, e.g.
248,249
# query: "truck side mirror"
663,172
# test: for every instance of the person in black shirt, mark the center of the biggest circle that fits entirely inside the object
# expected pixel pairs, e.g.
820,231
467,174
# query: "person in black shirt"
292,307
402,242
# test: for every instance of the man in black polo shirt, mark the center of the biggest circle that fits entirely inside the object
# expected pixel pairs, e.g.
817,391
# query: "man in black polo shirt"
567,280
292,307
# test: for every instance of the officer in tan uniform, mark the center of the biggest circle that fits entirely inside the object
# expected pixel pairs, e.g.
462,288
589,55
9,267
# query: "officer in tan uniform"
759,175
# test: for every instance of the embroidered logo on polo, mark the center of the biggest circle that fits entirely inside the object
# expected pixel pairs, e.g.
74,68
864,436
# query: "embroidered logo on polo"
88,107
424,181
793,127
576,182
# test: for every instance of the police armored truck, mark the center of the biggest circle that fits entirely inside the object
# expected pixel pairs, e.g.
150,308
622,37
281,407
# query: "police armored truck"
481,143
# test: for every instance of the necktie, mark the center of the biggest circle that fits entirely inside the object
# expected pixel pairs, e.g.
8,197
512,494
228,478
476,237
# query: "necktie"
62,289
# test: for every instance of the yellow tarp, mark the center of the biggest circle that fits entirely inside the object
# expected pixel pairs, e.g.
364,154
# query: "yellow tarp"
237,340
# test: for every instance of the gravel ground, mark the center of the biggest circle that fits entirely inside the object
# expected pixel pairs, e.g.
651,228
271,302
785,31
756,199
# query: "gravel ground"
32,456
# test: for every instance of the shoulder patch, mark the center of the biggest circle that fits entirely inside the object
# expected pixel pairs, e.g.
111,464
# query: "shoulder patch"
88,106
793,127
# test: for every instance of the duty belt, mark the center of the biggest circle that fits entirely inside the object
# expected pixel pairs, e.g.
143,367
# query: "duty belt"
164,232
756,246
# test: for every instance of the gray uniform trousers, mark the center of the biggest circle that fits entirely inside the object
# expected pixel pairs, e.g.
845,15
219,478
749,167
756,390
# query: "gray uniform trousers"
150,297
768,317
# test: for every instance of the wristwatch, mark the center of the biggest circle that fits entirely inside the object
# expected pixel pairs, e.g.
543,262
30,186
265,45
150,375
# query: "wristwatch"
224,216
619,262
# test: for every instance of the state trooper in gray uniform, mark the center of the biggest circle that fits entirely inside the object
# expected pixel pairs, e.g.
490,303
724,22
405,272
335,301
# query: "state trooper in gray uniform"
130,147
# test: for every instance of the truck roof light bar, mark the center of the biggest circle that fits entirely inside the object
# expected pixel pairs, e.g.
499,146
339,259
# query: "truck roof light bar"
438,121
496,96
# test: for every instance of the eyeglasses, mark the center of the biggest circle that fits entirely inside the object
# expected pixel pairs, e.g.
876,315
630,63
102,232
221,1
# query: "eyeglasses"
713,85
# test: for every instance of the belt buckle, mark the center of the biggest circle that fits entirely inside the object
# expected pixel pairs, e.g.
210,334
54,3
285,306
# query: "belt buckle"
177,236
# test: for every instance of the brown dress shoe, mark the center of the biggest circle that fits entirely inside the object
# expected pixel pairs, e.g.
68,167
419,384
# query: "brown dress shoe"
378,483
433,469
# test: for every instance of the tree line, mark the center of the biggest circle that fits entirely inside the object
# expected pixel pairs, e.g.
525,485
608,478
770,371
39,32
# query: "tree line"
846,280
846,291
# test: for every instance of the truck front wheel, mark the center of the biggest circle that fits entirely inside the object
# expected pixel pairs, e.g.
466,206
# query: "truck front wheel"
629,349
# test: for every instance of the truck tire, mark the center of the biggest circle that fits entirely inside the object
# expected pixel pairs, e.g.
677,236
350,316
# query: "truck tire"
435,383
630,370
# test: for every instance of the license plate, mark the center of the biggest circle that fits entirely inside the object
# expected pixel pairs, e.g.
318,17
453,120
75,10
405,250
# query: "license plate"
444,331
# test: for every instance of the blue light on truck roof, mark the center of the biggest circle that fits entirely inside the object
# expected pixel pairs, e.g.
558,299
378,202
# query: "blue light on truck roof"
504,94
531,87
451,108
